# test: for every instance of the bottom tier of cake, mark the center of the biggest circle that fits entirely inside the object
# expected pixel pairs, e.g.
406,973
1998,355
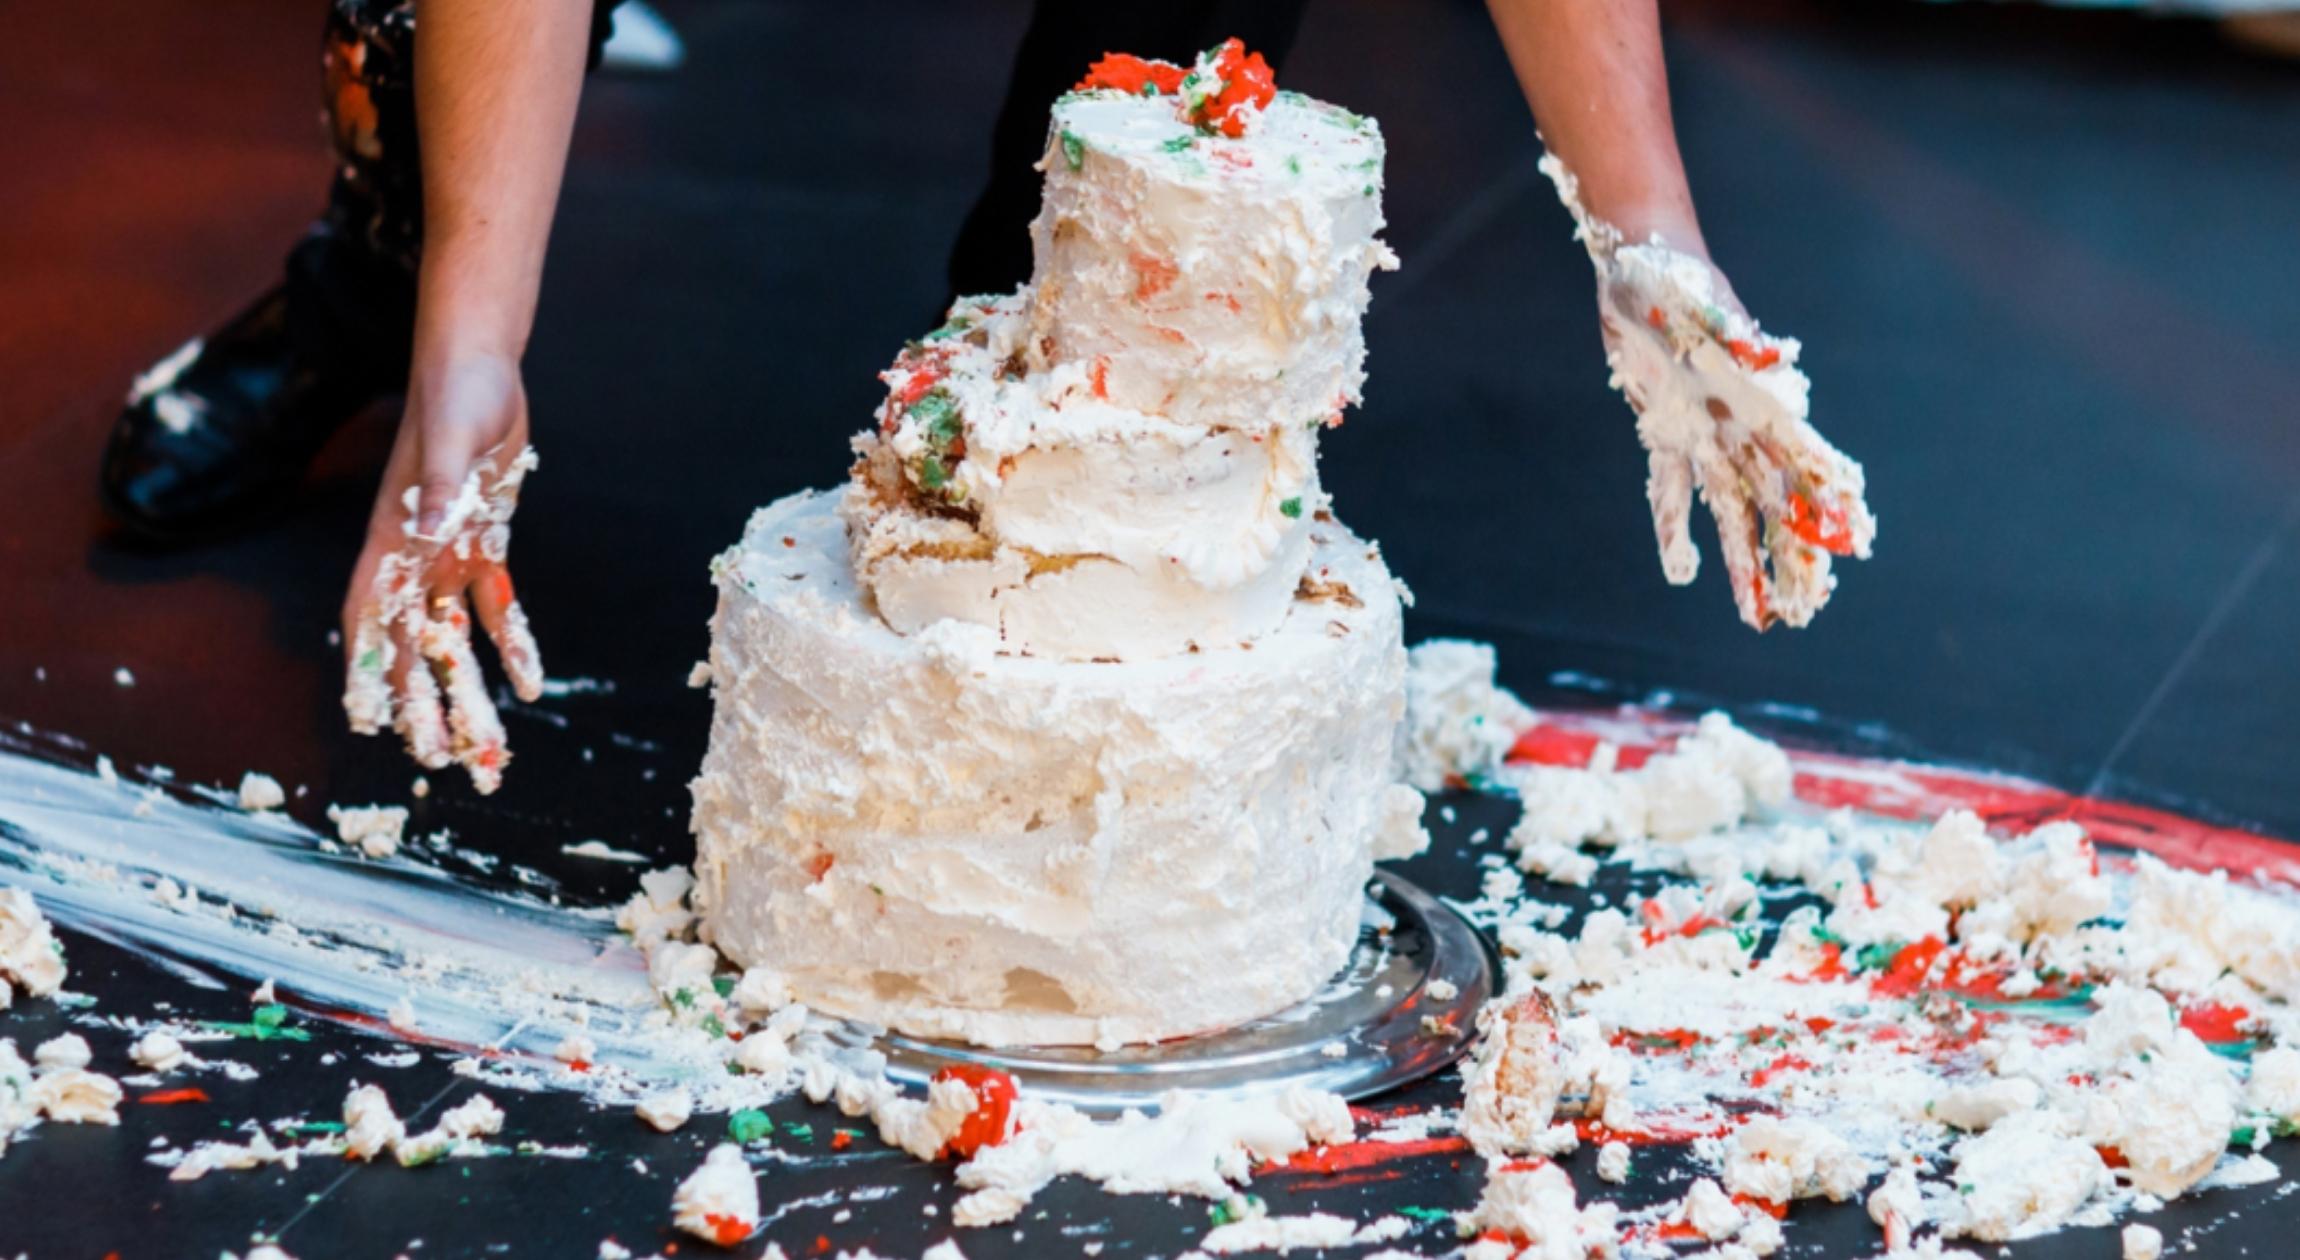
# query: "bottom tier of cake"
927,834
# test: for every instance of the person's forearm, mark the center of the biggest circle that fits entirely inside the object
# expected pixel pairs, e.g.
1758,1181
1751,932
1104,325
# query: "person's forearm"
496,82
1592,71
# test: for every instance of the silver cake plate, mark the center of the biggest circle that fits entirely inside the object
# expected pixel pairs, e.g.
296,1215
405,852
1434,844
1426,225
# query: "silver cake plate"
1375,1026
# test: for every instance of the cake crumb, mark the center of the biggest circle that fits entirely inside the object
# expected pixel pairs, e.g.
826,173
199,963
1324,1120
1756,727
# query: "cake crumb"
719,1201
666,1111
1613,1162
374,830
259,791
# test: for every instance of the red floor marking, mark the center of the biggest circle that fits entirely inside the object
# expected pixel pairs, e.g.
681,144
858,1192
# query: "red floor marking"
165,1097
1352,1156
1908,790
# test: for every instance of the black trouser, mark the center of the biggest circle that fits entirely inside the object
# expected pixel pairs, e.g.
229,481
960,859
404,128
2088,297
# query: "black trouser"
351,282
992,254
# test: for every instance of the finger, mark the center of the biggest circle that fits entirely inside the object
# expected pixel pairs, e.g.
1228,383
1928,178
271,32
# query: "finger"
366,687
447,484
367,656
471,717
1669,491
506,622
422,718
1739,541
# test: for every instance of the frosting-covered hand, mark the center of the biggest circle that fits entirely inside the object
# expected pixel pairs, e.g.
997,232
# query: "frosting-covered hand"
1721,409
435,555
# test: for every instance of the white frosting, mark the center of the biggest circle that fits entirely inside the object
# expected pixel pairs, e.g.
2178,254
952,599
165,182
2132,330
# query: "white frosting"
1197,1144
1075,527
2025,1177
370,1126
954,842
261,791
30,957
1533,1206
1077,608
1459,722
159,1052
719,1201
1217,281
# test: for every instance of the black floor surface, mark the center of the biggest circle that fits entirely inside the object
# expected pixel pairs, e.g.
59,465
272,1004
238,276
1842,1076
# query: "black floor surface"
2043,264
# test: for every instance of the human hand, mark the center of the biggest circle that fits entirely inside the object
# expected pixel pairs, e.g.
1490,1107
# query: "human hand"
435,554
1721,408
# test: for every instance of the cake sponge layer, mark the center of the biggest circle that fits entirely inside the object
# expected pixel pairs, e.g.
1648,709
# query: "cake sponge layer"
952,842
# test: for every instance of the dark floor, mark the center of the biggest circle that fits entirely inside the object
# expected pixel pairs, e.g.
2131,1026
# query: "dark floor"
2043,264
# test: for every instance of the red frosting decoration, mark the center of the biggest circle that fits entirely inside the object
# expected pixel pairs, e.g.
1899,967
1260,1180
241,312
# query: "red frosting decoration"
1130,74
1246,79
994,1095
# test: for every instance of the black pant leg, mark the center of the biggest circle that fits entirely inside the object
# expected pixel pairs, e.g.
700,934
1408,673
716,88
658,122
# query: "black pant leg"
992,254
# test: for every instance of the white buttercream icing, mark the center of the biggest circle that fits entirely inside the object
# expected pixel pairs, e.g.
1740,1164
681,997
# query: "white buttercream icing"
955,842
1213,280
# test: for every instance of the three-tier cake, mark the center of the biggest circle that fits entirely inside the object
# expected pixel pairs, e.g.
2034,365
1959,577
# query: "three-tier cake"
1069,718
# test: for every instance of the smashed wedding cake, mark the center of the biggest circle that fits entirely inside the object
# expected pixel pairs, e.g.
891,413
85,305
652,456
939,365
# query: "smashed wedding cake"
1069,718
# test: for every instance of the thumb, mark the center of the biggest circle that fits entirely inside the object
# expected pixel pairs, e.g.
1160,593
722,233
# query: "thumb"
446,465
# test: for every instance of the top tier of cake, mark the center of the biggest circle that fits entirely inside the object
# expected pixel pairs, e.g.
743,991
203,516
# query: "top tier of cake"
1212,279
1119,461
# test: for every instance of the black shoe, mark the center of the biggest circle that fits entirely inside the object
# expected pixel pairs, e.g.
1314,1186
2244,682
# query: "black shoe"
217,435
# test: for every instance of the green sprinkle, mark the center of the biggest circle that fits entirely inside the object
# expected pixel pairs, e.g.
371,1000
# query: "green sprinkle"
1293,164
682,997
932,408
712,1026
1369,190
1073,150
931,474
1292,508
749,1125
256,1032
270,1015
2241,1135
1875,957
316,1126
724,986
803,1132
1425,1214
1179,144
1149,88
371,659
1221,1215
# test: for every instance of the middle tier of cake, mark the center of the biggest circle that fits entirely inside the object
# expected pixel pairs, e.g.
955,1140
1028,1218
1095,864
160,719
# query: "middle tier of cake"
930,833
1077,528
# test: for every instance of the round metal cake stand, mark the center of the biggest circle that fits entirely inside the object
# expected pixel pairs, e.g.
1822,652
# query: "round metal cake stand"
1375,1026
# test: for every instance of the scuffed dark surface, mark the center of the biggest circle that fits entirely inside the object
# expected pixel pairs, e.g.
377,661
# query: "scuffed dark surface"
2042,263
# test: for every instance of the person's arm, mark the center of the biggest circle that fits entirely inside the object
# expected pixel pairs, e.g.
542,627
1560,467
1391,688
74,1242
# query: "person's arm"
496,84
1721,406
1592,71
